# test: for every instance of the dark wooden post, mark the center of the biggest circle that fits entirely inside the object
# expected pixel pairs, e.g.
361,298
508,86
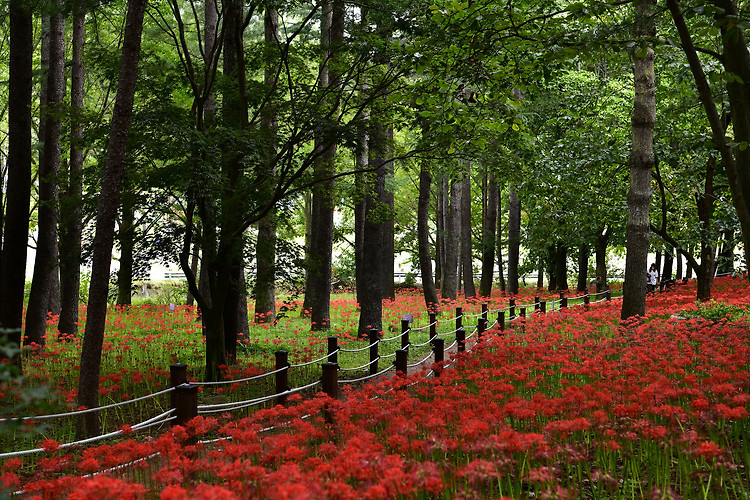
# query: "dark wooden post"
523,312
563,300
484,312
438,352
459,318
461,339
401,357
374,340
586,300
481,327
333,346
608,295
330,380
282,376
543,306
177,375
433,325
186,403
405,334
501,320
537,303
512,310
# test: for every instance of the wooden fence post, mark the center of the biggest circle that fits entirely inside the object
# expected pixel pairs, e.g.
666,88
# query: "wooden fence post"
405,334
401,358
330,385
282,376
433,325
523,312
586,300
537,303
438,349
374,340
333,346
186,403
608,295
563,300
461,339
459,318
512,309
543,306
177,375
501,320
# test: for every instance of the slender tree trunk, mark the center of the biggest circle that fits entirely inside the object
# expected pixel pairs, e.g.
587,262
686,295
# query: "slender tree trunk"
666,273
514,239
360,210
641,164
194,259
551,268
88,384
265,253
499,239
489,223
704,202
450,272
126,237
583,267
18,191
561,266
49,169
726,256
440,218
602,239
678,272
540,276
71,224
387,247
423,238
467,262
370,298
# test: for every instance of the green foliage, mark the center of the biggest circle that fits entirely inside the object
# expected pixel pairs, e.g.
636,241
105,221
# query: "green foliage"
716,311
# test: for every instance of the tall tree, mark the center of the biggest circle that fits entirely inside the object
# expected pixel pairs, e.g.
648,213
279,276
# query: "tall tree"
423,237
451,209
265,250
18,191
489,222
467,260
93,338
514,239
71,225
641,163
45,263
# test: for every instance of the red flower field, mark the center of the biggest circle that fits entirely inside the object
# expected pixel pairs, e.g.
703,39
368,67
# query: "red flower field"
571,404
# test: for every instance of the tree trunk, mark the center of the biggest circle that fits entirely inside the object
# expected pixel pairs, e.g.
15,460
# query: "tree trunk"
423,238
18,190
440,218
602,239
489,223
678,272
551,268
49,169
71,224
387,251
641,164
467,263
88,384
126,237
583,267
499,239
666,273
726,256
360,210
540,277
370,298
265,250
514,239
561,266
450,272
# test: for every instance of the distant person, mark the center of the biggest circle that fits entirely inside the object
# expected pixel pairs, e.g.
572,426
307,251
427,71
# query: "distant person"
653,278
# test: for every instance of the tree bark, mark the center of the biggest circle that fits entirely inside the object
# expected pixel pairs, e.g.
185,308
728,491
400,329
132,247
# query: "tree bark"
88,385
370,297
489,223
583,267
666,273
561,266
387,247
449,287
641,164
45,263
499,239
126,237
725,263
265,250
602,239
514,239
18,191
423,238
467,262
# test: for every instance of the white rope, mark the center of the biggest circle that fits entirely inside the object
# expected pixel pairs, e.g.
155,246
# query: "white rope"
391,355
396,337
90,410
360,367
349,381
313,361
451,346
362,349
447,333
472,315
239,405
155,421
424,327
419,362
422,344
225,382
